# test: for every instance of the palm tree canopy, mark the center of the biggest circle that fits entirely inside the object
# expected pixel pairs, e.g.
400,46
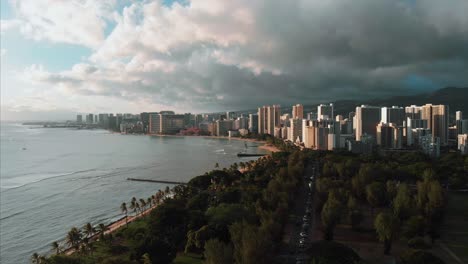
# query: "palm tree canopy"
123,207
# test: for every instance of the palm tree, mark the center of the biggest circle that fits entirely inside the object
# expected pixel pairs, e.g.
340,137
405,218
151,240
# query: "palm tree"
42,259
73,237
160,195
143,204
137,207
149,202
35,258
102,229
133,206
123,208
89,230
167,191
216,165
56,247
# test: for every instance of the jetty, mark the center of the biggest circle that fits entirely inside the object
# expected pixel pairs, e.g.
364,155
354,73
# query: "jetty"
250,155
157,181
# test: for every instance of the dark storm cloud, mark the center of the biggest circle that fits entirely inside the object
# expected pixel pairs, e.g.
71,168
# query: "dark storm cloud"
243,54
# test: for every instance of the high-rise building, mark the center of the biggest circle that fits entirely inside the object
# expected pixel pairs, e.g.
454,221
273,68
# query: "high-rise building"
223,127
79,119
253,123
322,135
394,114
295,130
437,119
165,123
262,120
458,115
414,129
89,119
312,116
273,118
389,135
367,118
298,111
462,126
325,112
430,145
462,143
413,112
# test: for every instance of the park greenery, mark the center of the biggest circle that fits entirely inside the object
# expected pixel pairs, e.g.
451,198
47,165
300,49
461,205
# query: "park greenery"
238,214
229,215
406,194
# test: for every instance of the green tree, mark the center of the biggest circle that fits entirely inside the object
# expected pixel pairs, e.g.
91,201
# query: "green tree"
375,194
35,258
146,259
331,214
88,230
386,228
403,203
251,246
391,188
73,237
123,208
217,252
55,247
362,179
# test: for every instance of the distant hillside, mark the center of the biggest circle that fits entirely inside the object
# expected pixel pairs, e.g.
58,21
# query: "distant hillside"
456,98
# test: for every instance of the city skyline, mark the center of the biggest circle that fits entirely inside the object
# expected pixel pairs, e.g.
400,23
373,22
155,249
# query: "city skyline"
109,56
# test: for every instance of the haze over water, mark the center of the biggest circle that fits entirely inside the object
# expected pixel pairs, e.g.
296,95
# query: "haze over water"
54,179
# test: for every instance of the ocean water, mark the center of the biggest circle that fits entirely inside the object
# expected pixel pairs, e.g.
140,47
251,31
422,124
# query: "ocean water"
52,179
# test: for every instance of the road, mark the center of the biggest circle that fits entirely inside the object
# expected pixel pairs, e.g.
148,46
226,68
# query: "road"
293,251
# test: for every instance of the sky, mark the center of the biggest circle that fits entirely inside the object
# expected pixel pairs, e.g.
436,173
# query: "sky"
60,58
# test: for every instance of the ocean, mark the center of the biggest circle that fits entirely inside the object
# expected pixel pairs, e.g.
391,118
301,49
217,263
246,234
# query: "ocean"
52,179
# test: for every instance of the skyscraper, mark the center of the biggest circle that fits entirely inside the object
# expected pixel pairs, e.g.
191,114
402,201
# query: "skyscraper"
253,123
273,118
165,123
79,119
389,135
413,112
437,119
325,112
262,120
298,111
394,114
367,118
89,119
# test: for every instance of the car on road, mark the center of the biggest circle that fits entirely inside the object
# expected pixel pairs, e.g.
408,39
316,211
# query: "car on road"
304,234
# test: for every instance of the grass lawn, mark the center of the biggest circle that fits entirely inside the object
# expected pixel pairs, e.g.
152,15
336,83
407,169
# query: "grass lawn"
188,259
454,232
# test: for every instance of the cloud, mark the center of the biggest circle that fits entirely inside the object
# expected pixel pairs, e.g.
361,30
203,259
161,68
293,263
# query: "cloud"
214,55
80,22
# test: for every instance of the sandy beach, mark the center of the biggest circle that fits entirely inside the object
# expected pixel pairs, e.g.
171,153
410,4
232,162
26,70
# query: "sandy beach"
112,227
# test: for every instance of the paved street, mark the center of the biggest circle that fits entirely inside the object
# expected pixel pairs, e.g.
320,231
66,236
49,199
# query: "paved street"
300,226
